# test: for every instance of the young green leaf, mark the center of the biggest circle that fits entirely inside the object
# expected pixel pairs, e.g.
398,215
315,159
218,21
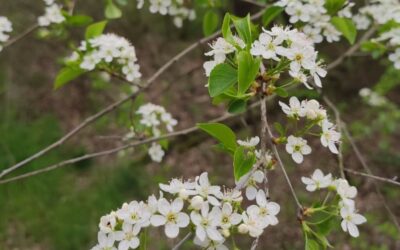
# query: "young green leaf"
95,29
242,162
333,6
243,28
221,78
248,68
278,127
237,106
226,28
346,27
270,14
112,11
220,132
66,75
79,20
281,92
210,22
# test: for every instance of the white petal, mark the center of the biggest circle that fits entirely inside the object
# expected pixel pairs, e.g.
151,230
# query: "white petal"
358,219
201,233
214,234
134,243
177,205
297,157
251,193
182,220
157,220
171,230
353,230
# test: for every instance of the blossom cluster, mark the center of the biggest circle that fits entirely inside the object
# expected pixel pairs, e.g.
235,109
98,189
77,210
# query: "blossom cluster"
315,17
52,14
178,9
109,52
314,114
372,98
220,48
213,213
155,117
382,12
5,27
285,44
346,193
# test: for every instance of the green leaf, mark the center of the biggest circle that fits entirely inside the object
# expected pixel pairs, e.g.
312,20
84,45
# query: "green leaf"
279,128
95,29
346,27
221,78
312,245
376,49
112,11
248,68
66,75
270,14
333,6
237,106
226,28
210,22
79,20
242,162
281,92
243,27
221,132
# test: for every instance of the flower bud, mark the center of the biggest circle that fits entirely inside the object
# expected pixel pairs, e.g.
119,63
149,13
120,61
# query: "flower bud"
196,202
226,233
243,229
183,194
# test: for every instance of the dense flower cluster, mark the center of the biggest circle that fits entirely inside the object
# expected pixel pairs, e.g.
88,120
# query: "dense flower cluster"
314,114
382,12
109,50
178,9
214,214
283,45
155,118
5,27
220,48
290,45
346,193
315,17
52,14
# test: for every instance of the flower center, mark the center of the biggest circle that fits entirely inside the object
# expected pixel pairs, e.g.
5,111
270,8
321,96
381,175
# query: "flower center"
204,222
171,217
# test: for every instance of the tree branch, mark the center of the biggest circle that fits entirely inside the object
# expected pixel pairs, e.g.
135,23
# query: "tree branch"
113,106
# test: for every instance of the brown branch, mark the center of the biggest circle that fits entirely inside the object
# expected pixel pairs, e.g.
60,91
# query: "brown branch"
375,177
25,33
113,106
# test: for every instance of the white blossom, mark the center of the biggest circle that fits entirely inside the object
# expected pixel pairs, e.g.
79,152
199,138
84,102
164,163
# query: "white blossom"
52,15
350,221
251,181
294,109
252,142
297,147
170,216
156,153
317,181
329,136
206,223
206,190
265,211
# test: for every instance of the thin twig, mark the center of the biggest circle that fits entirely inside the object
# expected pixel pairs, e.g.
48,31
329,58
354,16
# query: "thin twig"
113,106
180,243
375,177
367,169
25,33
